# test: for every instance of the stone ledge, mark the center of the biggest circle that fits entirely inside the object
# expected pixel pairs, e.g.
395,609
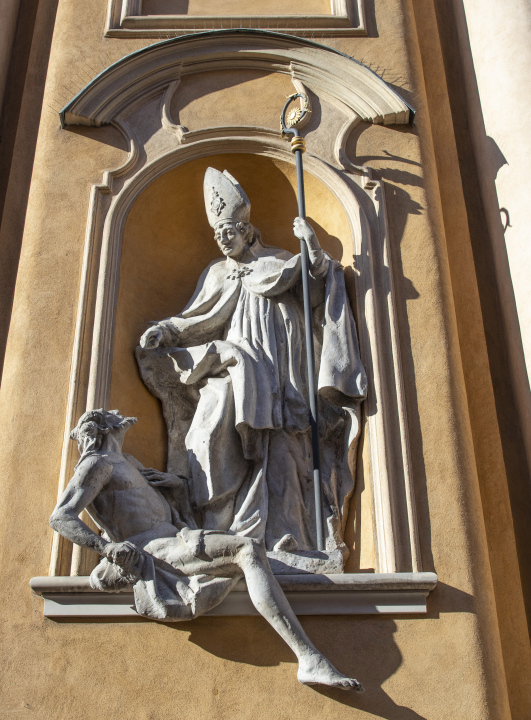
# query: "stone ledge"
347,594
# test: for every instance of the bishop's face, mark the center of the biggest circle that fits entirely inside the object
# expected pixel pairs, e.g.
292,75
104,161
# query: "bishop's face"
232,242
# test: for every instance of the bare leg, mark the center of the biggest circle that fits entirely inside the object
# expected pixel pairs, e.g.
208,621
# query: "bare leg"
268,598
230,555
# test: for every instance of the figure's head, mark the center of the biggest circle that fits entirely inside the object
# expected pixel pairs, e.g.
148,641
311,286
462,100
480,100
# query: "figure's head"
94,425
233,238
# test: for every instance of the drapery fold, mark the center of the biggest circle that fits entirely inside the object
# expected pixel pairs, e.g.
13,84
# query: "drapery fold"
231,375
162,592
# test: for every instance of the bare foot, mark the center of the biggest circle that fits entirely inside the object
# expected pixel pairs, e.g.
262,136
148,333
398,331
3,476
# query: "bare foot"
316,670
287,543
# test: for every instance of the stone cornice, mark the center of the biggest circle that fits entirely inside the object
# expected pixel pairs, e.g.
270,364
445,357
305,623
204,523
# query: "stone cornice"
321,68
343,594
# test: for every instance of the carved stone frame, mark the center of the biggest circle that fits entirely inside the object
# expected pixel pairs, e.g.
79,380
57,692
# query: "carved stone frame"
125,19
145,82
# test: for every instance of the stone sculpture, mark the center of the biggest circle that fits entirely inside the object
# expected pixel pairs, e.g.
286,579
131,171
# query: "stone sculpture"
231,376
177,571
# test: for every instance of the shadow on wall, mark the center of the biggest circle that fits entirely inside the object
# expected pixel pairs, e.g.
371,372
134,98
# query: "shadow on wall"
359,646
370,19
18,140
363,648
165,7
496,160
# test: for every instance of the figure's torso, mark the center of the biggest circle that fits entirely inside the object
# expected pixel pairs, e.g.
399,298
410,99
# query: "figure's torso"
127,505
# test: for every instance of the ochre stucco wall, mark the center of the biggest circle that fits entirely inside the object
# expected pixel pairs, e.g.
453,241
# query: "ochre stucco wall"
463,661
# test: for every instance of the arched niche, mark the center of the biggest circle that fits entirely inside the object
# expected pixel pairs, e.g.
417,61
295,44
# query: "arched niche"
135,95
166,244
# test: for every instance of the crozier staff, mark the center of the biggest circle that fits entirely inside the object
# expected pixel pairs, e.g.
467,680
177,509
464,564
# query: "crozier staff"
230,371
289,123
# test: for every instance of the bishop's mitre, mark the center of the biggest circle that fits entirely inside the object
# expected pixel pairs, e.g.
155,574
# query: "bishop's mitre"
225,199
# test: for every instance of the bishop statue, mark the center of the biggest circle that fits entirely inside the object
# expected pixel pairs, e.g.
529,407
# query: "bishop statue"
230,372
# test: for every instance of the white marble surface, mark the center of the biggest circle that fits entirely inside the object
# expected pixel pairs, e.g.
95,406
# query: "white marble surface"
175,570
230,371
346,594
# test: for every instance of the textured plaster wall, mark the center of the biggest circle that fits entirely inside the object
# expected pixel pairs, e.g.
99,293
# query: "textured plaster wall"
8,22
19,125
461,661
485,376
501,64
498,146
235,7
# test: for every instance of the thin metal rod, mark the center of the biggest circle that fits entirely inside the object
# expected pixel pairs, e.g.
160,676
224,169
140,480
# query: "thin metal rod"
310,359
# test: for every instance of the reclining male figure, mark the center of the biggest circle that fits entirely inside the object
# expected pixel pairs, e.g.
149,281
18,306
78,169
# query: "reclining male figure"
142,528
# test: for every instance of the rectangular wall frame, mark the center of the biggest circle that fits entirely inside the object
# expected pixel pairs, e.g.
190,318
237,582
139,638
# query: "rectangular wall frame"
126,18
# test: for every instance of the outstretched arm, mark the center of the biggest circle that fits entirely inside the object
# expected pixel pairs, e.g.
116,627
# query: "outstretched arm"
204,317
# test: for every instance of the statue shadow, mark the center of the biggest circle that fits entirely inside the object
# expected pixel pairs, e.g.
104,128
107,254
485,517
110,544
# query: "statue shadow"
361,646
330,243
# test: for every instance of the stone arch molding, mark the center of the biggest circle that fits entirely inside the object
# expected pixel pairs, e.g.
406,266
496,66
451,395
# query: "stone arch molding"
321,68
134,95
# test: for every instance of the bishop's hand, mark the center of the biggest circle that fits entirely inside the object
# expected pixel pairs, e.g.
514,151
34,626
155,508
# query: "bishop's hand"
151,338
304,231
162,479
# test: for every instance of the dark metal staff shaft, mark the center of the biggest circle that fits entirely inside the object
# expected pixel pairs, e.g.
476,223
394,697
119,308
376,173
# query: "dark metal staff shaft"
297,147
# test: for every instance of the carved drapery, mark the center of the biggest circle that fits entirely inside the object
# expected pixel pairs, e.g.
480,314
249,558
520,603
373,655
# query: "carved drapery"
135,94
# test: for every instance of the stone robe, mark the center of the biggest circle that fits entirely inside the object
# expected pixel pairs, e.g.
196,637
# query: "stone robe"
231,374
162,591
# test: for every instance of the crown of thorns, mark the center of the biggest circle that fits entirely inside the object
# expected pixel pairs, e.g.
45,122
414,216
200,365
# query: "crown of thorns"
97,421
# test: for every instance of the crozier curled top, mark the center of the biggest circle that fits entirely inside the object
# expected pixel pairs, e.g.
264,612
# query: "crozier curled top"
321,68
